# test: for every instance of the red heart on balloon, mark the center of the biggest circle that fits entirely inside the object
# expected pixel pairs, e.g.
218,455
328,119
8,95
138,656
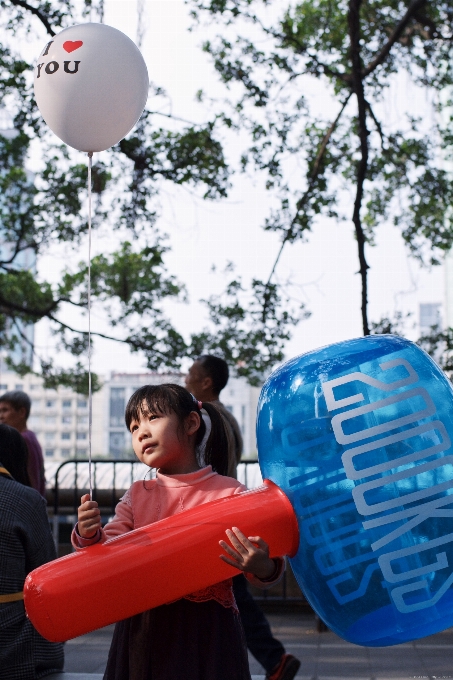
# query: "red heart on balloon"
71,45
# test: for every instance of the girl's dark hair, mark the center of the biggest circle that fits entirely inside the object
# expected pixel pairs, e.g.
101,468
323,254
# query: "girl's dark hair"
168,398
14,454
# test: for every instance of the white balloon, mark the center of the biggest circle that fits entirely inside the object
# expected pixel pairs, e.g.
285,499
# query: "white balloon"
91,86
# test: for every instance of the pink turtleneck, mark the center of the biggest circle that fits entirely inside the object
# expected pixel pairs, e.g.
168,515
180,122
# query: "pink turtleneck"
165,496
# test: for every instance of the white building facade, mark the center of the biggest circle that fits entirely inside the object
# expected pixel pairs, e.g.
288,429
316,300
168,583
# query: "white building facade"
59,417
238,397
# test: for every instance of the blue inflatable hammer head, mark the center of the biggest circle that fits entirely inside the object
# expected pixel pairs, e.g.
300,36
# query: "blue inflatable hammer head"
358,435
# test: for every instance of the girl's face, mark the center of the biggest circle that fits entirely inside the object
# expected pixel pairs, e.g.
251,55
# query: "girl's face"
159,441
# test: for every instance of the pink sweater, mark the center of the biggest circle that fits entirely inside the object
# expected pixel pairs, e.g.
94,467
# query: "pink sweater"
168,495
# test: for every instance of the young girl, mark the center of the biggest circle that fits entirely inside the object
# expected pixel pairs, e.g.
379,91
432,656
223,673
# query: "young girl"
199,637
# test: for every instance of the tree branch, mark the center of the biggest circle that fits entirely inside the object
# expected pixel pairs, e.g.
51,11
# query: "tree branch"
379,58
172,117
136,345
36,12
376,122
303,199
38,314
354,35
301,49
18,249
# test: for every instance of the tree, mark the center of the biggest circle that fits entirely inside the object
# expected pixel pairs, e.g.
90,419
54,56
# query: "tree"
130,282
436,342
269,52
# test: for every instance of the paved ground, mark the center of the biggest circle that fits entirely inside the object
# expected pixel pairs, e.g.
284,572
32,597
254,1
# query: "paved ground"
324,656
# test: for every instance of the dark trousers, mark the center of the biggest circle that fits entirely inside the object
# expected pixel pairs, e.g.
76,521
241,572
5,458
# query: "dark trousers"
265,648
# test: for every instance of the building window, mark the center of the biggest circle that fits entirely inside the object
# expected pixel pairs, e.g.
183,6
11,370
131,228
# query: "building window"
66,420
50,403
33,387
81,453
50,436
83,420
117,444
67,403
51,420
19,386
66,435
243,418
49,453
65,453
3,386
82,403
117,406
429,315
81,435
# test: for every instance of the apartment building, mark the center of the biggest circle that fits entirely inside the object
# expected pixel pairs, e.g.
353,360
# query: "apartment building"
238,396
60,417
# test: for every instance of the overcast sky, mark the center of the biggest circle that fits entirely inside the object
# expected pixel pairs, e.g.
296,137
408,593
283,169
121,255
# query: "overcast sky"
204,233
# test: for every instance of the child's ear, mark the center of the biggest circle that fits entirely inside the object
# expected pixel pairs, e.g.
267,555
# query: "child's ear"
192,423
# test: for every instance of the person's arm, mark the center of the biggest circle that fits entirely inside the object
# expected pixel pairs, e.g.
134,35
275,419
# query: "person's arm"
280,567
39,540
251,555
88,530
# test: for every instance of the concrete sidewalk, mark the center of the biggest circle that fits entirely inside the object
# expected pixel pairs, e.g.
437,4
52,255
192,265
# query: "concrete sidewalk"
324,656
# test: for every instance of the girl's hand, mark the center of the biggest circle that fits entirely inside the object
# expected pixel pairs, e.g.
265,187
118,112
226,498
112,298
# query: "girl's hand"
89,517
248,554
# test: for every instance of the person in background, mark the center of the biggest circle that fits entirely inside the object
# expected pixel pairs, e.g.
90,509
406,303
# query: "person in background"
208,375
14,411
206,378
25,544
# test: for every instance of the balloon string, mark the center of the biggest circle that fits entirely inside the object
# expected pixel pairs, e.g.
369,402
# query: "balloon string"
90,396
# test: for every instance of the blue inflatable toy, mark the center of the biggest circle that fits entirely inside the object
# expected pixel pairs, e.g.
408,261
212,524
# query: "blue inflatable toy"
358,435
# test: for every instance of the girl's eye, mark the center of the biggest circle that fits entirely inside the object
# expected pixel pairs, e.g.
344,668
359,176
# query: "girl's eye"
134,427
153,417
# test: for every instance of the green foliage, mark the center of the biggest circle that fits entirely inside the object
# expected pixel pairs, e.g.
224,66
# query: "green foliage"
37,212
436,342
266,53
245,339
76,378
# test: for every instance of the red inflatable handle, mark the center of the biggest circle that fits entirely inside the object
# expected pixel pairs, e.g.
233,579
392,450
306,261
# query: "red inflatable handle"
153,565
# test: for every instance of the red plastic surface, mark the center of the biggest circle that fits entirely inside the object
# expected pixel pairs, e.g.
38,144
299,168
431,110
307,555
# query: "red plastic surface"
153,565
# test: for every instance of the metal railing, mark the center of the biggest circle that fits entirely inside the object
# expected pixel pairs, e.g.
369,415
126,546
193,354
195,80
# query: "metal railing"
110,479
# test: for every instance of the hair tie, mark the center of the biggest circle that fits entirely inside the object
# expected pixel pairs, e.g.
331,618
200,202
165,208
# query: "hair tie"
198,403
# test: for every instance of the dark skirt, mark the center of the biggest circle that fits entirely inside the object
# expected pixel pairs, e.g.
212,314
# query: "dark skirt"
184,639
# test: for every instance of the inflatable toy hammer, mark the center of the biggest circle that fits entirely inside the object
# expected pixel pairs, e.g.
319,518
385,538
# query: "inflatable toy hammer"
354,441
